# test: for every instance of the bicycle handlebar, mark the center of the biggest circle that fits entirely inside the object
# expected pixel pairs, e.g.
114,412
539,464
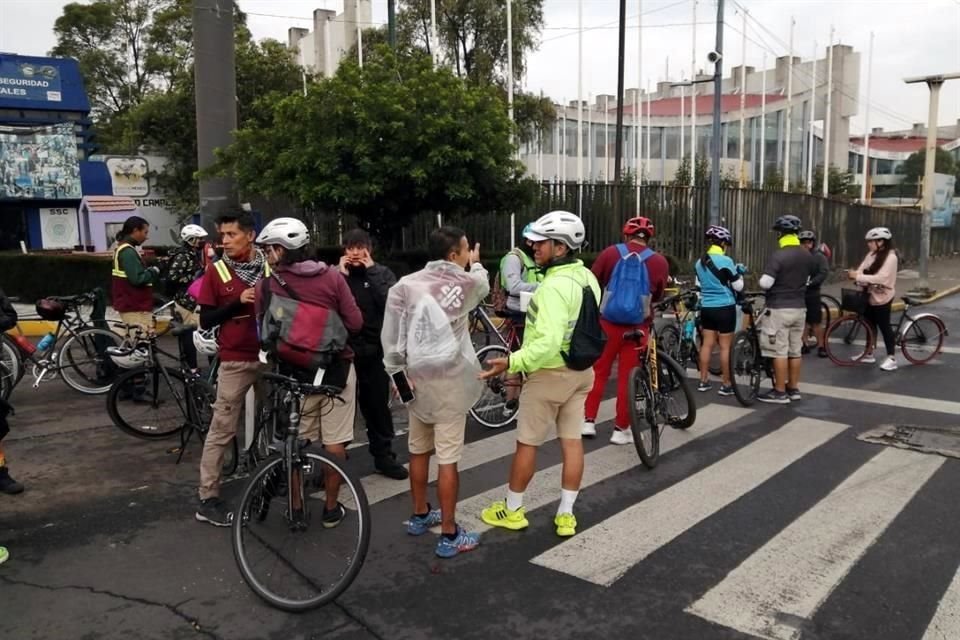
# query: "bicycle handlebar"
303,388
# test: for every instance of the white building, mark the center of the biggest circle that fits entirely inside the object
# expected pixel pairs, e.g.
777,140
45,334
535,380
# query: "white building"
321,50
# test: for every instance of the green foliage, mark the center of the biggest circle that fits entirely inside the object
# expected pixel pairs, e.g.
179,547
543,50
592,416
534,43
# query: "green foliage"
840,184
682,177
913,167
36,275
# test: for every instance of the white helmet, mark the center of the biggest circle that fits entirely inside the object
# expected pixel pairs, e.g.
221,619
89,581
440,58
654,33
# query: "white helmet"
289,233
879,233
562,226
127,358
205,340
192,232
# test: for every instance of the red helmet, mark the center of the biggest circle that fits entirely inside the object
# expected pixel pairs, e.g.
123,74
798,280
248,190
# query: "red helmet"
639,225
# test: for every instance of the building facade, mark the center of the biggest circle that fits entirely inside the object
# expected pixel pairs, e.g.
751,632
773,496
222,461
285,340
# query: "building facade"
321,50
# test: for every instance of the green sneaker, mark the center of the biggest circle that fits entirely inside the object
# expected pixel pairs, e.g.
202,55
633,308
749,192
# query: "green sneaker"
566,524
4,555
497,515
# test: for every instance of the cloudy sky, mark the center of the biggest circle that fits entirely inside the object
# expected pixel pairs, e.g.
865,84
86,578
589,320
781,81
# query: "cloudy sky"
913,37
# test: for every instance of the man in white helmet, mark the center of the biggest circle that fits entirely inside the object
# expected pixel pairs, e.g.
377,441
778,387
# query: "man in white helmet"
186,265
554,393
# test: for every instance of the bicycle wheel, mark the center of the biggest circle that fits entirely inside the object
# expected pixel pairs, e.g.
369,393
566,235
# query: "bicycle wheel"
675,406
848,340
142,403
286,553
84,364
745,370
922,339
714,365
6,381
668,339
646,435
11,356
500,400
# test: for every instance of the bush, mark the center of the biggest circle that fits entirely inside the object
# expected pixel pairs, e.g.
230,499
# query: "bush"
37,275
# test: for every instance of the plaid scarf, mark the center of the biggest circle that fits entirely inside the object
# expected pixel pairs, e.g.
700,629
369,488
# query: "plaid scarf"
250,272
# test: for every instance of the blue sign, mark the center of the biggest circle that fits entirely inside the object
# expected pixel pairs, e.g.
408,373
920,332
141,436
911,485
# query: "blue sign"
941,217
24,80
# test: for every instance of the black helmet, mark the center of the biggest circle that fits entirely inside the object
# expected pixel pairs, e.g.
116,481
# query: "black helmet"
808,235
787,224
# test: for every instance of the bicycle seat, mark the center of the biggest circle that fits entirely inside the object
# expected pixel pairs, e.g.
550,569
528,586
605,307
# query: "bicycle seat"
303,388
909,300
636,334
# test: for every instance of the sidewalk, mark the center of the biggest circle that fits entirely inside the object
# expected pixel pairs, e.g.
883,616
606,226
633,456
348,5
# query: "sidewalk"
944,278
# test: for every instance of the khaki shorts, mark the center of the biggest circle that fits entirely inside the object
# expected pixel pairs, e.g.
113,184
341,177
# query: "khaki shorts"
142,319
781,333
552,397
188,317
331,421
445,439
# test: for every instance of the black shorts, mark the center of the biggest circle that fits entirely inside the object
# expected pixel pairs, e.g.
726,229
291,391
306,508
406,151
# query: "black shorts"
814,310
719,319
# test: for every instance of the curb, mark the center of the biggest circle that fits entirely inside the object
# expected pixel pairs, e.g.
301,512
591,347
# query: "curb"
38,328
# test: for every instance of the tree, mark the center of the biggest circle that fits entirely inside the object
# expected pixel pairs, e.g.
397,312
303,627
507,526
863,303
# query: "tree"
913,167
682,177
840,184
384,144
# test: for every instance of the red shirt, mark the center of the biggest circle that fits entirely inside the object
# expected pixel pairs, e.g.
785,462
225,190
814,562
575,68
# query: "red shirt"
658,270
238,336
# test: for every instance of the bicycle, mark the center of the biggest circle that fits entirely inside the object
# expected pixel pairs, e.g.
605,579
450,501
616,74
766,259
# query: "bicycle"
829,310
498,405
850,338
651,390
747,363
682,337
280,488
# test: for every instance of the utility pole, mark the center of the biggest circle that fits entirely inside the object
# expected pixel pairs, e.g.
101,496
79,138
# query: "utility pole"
864,193
825,191
717,56
789,125
743,102
392,23
618,145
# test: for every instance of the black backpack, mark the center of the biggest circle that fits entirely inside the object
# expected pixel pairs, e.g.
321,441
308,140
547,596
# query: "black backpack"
8,314
588,339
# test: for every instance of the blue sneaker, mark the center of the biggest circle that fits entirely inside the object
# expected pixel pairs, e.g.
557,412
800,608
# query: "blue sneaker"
419,525
463,542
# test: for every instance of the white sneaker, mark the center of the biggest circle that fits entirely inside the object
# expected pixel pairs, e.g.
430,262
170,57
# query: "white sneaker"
868,359
890,364
621,436
588,430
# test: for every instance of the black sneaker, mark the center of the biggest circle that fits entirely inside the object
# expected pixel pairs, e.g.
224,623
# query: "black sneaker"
389,467
334,516
7,484
794,394
774,397
214,511
822,353
804,350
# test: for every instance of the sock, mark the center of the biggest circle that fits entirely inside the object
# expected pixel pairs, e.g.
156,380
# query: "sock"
424,514
514,500
567,498
450,536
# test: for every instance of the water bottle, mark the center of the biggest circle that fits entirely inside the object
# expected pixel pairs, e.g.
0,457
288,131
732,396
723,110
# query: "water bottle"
46,342
688,329
24,345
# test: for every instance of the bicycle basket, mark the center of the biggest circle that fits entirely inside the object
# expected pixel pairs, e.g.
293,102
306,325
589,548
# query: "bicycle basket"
50,309
853,300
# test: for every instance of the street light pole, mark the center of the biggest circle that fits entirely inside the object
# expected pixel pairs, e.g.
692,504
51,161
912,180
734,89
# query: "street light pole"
618,145
715,138
934,83
392,23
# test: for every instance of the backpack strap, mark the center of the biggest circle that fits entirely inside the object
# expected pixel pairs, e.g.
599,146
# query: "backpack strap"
624,251
290,292
725,277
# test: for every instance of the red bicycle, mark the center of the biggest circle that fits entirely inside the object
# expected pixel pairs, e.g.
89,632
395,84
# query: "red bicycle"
500,401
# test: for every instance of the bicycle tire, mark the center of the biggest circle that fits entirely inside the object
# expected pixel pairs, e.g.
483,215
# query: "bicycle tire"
925,330
668,339
252,501
848,340
493,409
202,395
745,369
121,387
13,358
646,435
92,344
6,382
672,378
713,366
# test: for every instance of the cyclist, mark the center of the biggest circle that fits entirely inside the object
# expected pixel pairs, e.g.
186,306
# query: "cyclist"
785,278
132,281
814,318
878,275
187,263
638,231
553,394
296,276
370,282
226,300
720,280
426,339
519,273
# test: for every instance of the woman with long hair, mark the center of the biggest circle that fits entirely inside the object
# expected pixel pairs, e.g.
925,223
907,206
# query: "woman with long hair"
877,275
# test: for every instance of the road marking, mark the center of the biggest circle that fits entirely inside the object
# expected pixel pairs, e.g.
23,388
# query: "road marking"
774,591
881,397
605,552
380,488
943,349
599,465
946,621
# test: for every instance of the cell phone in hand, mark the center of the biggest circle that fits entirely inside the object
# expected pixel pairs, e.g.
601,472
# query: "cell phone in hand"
403,387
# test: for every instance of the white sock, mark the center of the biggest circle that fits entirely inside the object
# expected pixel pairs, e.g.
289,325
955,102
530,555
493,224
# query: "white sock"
567,498
514,500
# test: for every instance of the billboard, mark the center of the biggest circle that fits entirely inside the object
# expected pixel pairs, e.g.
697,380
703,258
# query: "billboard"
39,163
24,80
941,217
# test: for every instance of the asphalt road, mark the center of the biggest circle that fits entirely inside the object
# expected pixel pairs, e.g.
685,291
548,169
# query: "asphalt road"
772,522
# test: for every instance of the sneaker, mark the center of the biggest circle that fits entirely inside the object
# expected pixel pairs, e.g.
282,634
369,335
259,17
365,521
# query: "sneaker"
804,350
794,394
497,515
589,429
419,525
774,397
890,364
621,436
868,359
725,390
704,386
447,548
214,511
4,555
822,353
388,466
510,407
334,516
7,484
566,524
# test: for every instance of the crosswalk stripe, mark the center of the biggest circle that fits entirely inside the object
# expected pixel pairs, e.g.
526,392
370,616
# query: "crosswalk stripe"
380,488
946,621
783,584
881,397
605,552
599,465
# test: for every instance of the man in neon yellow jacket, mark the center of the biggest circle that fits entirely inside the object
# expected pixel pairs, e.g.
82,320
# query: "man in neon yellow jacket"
553,393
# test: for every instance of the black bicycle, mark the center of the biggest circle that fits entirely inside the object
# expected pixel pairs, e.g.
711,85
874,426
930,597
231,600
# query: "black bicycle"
682,336
275,529
748,366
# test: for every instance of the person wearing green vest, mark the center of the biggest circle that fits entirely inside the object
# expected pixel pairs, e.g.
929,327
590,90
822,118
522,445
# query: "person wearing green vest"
519,273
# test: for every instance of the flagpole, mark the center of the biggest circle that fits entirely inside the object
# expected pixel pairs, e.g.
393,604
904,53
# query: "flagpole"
786,157
638,104
743,100
763,120
433,32
513,215
693,101
826,127
359,35
866,126
813,118
579,96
